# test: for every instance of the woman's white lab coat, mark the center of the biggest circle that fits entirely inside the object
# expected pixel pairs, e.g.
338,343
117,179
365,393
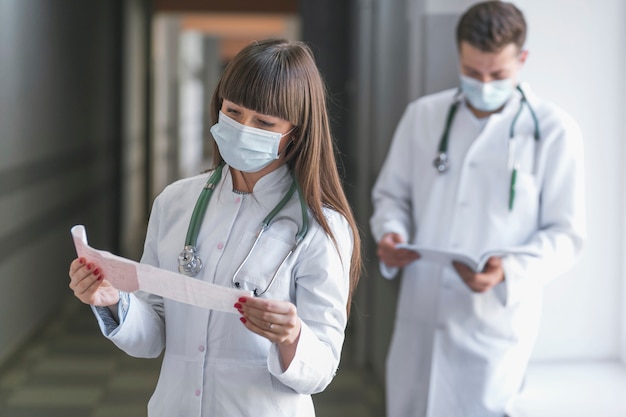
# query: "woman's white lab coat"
455,352
212,365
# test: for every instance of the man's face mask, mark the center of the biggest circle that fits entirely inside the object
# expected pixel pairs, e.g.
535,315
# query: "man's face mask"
488,96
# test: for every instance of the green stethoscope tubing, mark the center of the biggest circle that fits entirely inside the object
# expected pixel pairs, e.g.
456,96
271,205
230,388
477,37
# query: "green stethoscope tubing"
201,205
441,160
524,101
197,216
445,137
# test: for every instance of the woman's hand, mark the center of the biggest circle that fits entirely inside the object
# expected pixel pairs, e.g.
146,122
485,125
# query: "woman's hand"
392,256
277,321
89,285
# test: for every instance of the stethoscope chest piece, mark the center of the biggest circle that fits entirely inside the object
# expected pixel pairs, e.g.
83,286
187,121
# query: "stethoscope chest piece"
189,263
441,162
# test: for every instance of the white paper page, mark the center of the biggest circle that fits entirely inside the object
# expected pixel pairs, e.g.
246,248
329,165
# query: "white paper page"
440,256
127,275
446,257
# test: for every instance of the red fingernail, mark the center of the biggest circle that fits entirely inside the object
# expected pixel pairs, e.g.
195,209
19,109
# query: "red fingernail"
96,271
238,306
243,320
89,266
242,300
81,260
100,278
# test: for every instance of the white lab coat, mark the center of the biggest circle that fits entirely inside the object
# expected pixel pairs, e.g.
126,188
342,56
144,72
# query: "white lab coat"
213,366
455,352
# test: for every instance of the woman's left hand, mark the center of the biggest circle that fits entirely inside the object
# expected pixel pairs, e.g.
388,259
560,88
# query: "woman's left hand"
275,320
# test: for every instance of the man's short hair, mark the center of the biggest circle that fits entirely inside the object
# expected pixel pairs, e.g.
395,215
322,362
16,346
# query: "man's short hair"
491,26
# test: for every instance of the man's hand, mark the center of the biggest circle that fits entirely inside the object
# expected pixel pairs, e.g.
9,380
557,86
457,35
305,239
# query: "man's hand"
492,275
392,256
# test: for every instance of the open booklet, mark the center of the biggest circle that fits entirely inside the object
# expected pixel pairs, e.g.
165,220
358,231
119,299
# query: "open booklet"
127,275
446,257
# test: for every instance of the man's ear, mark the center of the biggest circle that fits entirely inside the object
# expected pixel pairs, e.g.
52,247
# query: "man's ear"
523,55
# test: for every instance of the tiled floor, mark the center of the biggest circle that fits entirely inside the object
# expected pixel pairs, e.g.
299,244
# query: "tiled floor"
70,370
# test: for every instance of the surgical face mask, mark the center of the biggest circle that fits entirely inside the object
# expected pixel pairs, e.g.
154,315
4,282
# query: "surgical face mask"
486,96
245,148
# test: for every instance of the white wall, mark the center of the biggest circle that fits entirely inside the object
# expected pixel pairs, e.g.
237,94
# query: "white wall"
577,57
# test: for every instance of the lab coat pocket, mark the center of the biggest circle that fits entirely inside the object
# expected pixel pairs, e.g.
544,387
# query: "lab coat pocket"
245,390
176,390
495,320
267,265
525,201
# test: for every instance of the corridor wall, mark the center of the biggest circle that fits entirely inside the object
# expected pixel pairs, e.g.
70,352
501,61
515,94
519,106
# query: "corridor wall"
60,119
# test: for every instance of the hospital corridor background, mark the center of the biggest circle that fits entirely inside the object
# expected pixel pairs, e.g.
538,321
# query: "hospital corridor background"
105,102
69,370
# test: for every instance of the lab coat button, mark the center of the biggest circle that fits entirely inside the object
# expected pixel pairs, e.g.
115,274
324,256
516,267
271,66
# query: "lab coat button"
201,348
197,393
220,245
237,200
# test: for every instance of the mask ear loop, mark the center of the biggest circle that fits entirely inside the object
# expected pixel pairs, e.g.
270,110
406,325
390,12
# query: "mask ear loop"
289,131
291,142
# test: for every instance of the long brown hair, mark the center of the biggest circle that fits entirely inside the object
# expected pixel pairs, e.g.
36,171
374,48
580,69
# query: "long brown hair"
280,78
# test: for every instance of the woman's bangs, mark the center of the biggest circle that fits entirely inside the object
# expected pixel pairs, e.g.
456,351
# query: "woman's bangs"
264,89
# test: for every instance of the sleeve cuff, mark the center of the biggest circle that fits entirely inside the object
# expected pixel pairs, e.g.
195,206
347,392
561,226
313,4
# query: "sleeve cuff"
300,369
391,226
108,324
388,272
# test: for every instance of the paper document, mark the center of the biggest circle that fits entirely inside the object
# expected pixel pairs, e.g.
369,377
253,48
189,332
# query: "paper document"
446,257
127,275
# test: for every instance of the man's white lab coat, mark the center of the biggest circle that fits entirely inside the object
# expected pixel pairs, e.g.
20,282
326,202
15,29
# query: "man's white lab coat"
455,352
213,366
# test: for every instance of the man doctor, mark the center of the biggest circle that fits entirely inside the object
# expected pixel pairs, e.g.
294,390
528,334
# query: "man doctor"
507,175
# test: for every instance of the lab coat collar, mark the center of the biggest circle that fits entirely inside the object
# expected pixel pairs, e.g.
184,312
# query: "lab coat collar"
530,95
277,180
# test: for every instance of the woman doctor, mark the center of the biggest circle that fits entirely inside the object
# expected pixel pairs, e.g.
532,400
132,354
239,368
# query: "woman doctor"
274,159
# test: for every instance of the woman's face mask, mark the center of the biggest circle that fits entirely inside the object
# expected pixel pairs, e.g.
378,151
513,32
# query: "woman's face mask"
489,96
245,148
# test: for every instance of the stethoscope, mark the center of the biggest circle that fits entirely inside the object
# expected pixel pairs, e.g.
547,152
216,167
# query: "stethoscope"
189,262
441,161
